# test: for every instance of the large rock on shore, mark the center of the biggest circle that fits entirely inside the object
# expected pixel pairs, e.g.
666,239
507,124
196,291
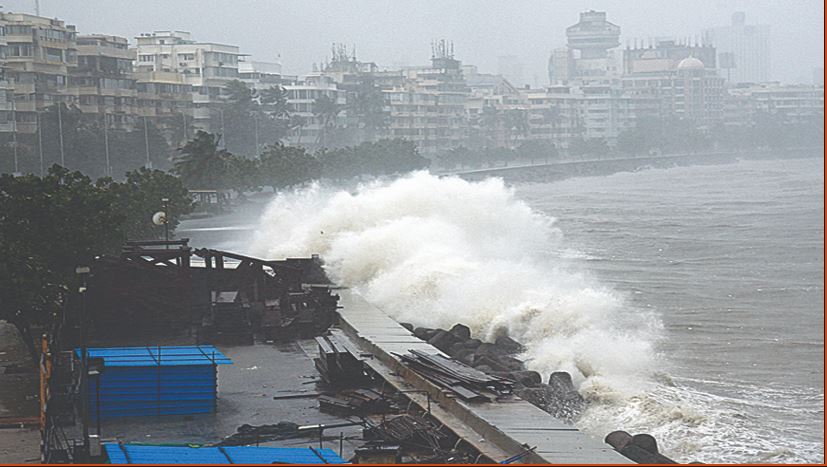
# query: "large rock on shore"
424,333
641,448
559,398
443,340
461,332
508,345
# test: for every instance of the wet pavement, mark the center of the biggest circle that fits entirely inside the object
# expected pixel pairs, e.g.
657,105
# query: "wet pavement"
245,396
18,400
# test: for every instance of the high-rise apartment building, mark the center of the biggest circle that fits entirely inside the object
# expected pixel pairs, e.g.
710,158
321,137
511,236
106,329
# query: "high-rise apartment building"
205,66
39,56
743,49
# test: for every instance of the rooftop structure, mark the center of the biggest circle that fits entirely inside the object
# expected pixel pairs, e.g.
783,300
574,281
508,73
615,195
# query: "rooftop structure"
593,36
664,55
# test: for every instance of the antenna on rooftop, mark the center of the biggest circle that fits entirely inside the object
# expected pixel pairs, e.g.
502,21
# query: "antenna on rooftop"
37,7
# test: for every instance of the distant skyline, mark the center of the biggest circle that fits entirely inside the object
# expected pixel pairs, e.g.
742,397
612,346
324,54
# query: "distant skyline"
399,32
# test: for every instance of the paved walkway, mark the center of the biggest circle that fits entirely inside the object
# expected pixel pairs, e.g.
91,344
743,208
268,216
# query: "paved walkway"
18,400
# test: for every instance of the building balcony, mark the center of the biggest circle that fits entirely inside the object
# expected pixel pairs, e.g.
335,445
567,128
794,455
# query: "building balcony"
27,106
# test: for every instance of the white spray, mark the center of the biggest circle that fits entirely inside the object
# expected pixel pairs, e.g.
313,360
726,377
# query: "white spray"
438,251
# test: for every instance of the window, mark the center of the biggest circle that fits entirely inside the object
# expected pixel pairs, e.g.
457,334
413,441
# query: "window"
54,55
146,58
19,50
15,30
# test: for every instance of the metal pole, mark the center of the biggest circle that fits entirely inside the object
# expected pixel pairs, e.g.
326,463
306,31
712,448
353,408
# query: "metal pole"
223,130
146,143
40,140
106,144
166,220
98,403
186,133
255,117
14,130
84,360
60,133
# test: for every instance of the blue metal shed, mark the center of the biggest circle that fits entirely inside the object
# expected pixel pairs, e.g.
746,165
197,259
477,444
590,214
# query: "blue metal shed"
162,380
151,454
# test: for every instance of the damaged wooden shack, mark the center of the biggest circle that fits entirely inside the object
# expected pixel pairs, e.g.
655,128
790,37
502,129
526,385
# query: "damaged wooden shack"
218,297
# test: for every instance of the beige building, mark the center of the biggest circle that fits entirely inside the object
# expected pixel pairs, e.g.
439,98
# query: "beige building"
792,103
205,66
104,80
691,91
428,105
39,55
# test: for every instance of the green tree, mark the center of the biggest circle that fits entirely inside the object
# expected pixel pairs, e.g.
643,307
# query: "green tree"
369,108
537,149
48,227
283,166
139,197
325,110
516,124
201,164
51,225
240,114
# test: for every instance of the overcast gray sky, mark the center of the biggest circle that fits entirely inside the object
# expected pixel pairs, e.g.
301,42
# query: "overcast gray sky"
399,31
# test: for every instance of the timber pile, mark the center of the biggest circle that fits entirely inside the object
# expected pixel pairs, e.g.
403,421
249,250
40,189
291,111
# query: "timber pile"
411,430
246,435
354,402
336,364
464,381
557,397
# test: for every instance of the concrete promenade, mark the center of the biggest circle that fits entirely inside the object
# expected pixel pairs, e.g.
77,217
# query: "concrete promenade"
498,429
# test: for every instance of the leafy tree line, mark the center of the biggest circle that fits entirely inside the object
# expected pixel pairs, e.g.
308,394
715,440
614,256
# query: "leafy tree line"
85,138
51,225
203,164
530,151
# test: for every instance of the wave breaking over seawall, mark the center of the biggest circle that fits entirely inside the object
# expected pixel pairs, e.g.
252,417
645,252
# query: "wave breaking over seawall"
439,251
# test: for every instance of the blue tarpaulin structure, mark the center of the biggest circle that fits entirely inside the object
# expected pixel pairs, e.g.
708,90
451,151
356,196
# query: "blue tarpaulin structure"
149,454
161,380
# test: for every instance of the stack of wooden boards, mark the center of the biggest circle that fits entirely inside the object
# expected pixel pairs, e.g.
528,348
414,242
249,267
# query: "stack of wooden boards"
466,382
336,364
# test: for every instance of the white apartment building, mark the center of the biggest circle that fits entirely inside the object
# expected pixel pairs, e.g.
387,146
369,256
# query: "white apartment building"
207,67
562,114
259,75
428,105
301,97
792,103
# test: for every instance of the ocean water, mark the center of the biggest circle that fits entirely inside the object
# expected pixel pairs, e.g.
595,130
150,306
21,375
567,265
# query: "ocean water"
685,302
731,259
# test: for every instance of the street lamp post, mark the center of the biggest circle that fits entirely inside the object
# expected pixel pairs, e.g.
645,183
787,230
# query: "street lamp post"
83,272
165,201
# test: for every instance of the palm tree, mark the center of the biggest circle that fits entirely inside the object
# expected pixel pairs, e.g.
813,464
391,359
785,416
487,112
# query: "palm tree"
490,121
516,122
297,123
368,106
325,109
200,163
274,101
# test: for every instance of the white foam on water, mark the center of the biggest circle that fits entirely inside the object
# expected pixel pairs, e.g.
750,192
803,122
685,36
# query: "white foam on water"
438,251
